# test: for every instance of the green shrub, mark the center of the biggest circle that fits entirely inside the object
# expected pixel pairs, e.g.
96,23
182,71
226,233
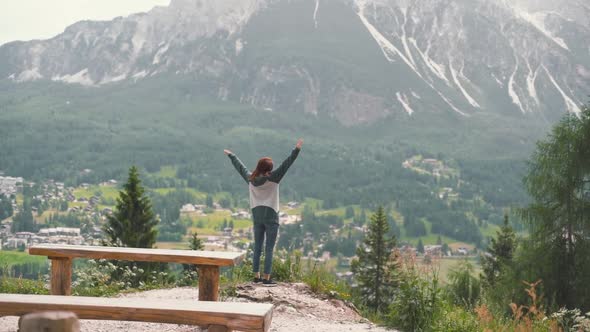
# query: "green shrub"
22,286
464,288
11,285
96,279
287,267
322,281
418,299
456,319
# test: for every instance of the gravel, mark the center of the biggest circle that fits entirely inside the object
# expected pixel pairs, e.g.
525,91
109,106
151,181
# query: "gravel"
296,310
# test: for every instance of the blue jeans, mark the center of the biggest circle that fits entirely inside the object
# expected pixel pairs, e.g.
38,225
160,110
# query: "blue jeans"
270,229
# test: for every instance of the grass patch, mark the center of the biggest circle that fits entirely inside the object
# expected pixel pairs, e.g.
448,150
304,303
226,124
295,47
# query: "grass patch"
447,264
172,245
107,192
166,172
200,196
16,257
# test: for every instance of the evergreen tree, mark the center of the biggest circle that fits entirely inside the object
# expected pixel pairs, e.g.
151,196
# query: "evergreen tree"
464,288
500,253
5,207
133,223
209,201
376,267
439,241
393,227
414,227
363,217
559,215
63,206
349,213
24,221
195,243
420,246
231,224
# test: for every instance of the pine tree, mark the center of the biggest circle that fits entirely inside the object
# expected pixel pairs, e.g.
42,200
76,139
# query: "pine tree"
376,267
363,217
500,253
133,223
420,246
349,212
195,243
559,213
5,207
24,221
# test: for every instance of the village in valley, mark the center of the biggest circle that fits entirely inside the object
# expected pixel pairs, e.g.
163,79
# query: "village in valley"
75,215
88,204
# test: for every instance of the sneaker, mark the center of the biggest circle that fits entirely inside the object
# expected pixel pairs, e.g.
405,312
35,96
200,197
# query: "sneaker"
257,280
268,283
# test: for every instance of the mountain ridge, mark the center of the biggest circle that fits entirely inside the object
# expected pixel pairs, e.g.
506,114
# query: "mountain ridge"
358,61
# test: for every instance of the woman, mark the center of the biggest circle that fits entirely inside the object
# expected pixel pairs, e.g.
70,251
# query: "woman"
263,185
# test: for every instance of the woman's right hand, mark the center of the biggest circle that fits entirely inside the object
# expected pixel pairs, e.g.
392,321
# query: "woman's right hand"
299,143
227,152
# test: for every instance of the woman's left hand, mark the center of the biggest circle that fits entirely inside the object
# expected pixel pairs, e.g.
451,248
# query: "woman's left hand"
227,152
299,143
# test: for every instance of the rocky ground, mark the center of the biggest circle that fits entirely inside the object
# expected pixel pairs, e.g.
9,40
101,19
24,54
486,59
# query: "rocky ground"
297,309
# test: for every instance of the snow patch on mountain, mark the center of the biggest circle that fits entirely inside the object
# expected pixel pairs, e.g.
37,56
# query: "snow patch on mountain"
82,77
536,19
239,46
571,105
470,99
158,55
114,79
512,92
404,101
315,13
434,67
530,81
29,75
386,46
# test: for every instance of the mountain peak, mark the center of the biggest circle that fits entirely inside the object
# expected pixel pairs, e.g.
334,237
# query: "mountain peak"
359,60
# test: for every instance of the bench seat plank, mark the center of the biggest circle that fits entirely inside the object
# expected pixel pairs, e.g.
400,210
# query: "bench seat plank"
248,317
211,258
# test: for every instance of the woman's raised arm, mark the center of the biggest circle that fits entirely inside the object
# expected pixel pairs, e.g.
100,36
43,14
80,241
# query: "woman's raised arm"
244,172
277,175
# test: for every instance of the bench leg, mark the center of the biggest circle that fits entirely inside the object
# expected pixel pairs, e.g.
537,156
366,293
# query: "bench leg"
208,283
218,328
61,276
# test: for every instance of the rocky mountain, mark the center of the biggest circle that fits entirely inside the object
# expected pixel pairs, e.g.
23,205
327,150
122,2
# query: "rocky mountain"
355,60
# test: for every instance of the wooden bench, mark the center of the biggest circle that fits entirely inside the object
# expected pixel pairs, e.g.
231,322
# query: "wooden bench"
218,316
207,262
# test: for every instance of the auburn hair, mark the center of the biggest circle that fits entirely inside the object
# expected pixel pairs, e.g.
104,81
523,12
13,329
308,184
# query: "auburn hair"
264,166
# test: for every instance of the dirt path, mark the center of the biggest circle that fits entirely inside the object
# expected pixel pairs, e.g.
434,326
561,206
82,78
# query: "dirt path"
296,310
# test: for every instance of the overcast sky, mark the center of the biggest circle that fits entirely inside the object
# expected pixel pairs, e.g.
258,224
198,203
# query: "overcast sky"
41,19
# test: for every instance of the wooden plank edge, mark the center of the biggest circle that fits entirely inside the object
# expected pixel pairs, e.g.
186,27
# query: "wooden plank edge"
57,254
267,320
246,323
